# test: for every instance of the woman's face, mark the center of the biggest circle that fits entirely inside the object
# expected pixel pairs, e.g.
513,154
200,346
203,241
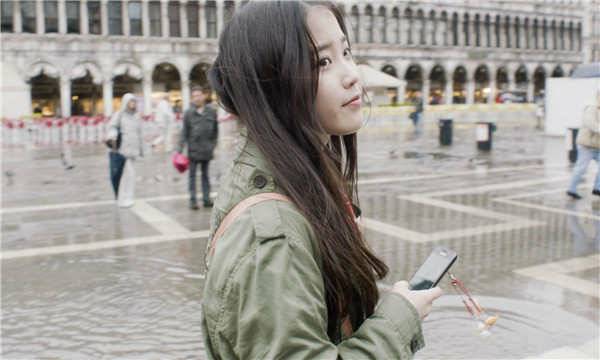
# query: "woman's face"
131,105
339,93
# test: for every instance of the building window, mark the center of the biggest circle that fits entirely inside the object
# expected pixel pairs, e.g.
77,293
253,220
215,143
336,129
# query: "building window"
51,16
466,30
229,9
72,8
211,19
6,8
192,18
535,34
94,17
155,22
507,31
545,33
488,32
134,11
174,23
477,31
354,21
455,29
369,23
28,16
115,18
517,33
497,31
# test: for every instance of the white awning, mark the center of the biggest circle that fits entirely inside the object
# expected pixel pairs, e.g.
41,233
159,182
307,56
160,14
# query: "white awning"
372,78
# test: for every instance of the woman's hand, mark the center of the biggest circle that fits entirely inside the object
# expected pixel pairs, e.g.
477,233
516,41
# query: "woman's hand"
421,299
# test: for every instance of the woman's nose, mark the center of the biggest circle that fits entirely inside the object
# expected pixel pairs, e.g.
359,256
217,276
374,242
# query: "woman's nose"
350,76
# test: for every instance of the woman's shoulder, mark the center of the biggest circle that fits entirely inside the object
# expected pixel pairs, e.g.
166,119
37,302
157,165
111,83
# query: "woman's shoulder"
270,220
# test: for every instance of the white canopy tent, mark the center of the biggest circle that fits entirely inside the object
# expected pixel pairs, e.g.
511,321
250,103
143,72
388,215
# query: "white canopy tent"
377,82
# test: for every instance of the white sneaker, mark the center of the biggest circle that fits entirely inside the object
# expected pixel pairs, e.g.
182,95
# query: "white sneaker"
126,205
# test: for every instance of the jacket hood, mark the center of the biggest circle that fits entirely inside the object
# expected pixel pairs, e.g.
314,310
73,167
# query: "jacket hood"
125,100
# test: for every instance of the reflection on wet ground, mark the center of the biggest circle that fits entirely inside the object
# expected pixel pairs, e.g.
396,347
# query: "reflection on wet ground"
83,279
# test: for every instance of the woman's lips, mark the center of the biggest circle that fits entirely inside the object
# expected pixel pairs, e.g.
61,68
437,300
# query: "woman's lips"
355,101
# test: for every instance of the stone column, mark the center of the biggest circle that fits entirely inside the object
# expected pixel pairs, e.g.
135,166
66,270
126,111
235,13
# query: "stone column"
147,91
461,30
401,92
220,20
183,22
427,29
492,93
164,19
530,89
202,19
185,93
470,90
426,89
472,34
83,18
449,90
362,30
17,23
65,95
145,19
125,17
39,17
62,17
104,21
107,95
511,79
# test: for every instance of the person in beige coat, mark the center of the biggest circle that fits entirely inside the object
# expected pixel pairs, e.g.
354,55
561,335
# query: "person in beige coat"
588,148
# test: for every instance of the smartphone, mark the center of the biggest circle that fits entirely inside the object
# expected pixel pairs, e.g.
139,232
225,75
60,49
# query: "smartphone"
433,269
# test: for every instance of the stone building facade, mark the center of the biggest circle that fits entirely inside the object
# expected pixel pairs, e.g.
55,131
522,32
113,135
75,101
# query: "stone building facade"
71,57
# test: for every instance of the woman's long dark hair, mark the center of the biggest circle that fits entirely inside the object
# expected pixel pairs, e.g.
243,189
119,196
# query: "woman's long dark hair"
266,73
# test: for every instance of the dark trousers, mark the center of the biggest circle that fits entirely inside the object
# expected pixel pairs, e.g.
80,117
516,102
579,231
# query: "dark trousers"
205,181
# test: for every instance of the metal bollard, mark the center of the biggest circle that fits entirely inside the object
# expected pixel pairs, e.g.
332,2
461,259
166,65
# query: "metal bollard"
572,144
484,135
445,131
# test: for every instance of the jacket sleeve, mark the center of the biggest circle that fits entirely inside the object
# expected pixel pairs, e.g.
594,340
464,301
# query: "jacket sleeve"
113,126
140,132
215,134
184,133
277,310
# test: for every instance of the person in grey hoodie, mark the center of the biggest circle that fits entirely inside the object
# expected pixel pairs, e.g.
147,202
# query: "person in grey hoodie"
200,132
588,148
129,123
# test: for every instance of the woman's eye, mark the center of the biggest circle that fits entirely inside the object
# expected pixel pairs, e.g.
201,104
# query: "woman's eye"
347,52
324,62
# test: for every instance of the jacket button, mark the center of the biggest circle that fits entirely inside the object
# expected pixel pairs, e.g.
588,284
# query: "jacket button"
260,182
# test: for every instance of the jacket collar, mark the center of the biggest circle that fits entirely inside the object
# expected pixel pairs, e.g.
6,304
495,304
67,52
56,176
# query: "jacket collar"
249,153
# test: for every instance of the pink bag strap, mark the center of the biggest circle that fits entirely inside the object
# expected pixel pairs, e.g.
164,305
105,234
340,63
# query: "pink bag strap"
240,208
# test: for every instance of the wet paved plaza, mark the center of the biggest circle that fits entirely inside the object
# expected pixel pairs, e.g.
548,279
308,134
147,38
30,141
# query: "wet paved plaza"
84,279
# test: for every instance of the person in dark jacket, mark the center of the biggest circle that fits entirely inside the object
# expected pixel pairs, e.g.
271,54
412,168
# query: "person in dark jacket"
200,133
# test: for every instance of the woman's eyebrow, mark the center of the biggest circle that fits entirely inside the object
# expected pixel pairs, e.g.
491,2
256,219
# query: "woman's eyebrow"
327,45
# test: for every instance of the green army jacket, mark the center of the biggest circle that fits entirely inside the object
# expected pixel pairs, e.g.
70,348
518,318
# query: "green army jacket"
264,295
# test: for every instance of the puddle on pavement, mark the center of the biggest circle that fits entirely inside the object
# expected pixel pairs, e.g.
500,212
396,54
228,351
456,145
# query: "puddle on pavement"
524,329
421,155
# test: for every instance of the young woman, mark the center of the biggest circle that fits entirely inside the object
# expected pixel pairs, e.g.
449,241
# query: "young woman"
129,123
296,280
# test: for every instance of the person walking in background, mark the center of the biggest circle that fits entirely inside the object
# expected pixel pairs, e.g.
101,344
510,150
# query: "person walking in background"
588,148
165,119
128,123
417,115
200,132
